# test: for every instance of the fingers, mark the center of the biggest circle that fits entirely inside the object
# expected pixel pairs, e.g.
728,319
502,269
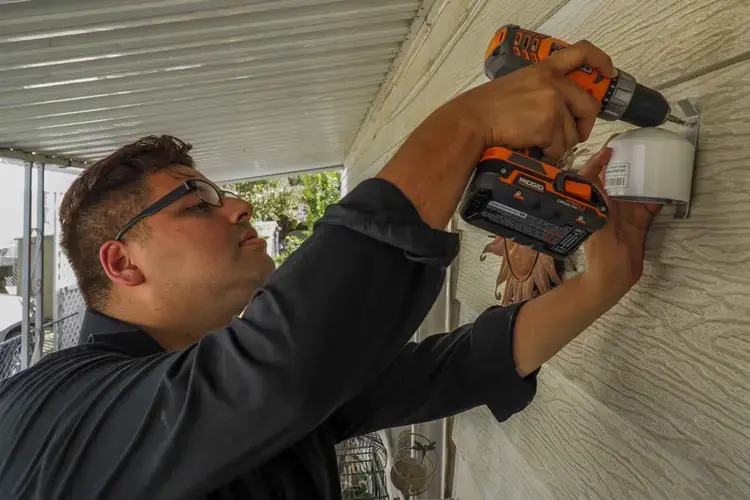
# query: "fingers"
585,125
584,105
555,146
581,103
575,116
595,165
583,53
564,135
571,132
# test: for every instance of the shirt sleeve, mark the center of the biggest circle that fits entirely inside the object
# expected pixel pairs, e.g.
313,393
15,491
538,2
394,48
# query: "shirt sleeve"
181,423
443,375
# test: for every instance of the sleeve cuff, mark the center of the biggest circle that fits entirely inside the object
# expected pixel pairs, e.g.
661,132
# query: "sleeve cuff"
507,393
378,209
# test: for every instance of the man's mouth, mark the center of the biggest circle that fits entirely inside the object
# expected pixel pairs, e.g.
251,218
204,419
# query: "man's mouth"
250,237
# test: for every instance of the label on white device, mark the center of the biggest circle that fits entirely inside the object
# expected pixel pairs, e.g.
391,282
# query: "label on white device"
617,175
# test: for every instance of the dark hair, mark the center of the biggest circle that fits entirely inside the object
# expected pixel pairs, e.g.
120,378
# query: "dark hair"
104,198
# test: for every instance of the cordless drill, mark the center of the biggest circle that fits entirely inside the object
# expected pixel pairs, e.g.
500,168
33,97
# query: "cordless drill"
515,194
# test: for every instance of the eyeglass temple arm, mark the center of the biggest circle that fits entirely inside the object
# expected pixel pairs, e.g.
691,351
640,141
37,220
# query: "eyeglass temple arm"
157,206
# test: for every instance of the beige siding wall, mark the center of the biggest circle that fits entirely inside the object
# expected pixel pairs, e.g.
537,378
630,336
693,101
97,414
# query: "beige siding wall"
652,401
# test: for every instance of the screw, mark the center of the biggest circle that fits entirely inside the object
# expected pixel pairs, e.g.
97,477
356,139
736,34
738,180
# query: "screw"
503,170
603,209
519,193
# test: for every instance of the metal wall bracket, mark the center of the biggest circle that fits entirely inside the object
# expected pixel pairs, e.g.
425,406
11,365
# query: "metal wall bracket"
690,132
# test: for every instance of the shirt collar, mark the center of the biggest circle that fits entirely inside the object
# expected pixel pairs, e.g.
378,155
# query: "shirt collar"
98,327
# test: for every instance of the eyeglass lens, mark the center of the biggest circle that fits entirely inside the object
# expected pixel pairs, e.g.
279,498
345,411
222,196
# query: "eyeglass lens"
208,193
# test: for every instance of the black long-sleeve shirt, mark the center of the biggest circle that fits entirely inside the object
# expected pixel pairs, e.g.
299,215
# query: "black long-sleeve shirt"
254,409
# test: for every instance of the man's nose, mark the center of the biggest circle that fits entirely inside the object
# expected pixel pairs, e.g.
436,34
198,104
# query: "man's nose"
237,209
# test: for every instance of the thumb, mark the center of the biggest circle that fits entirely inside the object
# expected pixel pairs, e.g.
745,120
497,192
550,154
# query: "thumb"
594,166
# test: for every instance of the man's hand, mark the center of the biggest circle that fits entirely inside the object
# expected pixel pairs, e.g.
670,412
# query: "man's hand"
614,254
614,263
535,106
539,105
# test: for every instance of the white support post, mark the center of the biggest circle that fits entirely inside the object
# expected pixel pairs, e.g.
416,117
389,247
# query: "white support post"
26,267
55,263
39,266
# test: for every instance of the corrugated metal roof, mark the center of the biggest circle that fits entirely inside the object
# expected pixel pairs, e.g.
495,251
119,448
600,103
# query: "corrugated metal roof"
258,87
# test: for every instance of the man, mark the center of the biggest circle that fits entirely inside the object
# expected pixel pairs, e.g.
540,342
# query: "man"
203,373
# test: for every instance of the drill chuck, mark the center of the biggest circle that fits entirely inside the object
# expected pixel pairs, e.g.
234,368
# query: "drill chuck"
631,102
647,109
618,96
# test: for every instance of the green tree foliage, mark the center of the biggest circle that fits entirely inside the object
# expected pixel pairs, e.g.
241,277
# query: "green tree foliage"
290,244
295,203
319,191
271,199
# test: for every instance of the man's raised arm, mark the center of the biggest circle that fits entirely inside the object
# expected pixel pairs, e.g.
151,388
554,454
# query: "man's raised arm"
534,106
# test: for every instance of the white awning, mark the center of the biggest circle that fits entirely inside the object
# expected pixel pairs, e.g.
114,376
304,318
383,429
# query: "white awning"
258,87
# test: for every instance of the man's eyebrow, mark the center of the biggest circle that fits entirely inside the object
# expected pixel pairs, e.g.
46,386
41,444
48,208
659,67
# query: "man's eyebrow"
180,174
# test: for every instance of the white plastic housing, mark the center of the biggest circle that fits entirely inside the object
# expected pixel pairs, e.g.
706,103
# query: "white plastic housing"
650,164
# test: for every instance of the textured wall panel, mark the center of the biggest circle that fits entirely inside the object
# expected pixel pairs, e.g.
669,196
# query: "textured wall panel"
653,400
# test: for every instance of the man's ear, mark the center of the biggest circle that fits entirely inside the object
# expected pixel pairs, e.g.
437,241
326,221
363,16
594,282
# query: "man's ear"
117,263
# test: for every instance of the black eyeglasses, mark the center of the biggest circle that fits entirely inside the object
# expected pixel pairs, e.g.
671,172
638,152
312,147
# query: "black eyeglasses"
207,192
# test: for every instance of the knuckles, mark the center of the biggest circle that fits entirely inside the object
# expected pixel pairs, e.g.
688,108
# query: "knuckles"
542,75
548,123
584,45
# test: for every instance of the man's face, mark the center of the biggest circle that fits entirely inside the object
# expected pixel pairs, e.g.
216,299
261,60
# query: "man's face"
197,254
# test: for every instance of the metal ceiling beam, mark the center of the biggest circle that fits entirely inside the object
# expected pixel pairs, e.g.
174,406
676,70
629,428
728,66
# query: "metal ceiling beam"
34,157
287,173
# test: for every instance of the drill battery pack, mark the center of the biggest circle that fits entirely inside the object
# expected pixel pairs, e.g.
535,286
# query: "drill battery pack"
535,204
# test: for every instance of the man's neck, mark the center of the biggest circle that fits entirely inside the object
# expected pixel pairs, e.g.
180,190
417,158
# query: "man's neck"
172,330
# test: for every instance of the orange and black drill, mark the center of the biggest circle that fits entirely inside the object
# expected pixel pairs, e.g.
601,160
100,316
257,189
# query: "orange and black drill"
515,194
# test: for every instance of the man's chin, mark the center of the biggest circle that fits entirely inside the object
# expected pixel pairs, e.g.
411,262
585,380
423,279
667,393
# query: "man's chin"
253,268
271,266
264,265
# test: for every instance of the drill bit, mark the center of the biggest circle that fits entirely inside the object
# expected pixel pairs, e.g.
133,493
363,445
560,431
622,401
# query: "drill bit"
674,119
